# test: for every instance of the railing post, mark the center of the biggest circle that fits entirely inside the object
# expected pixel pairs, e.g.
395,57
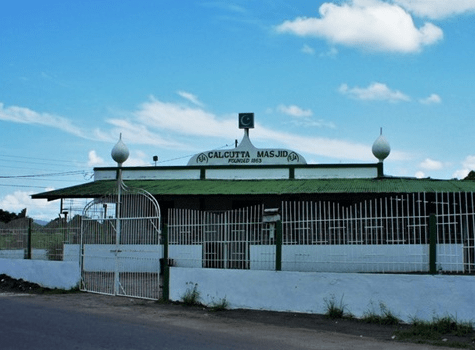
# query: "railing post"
432,244
278,245
28,241
166,268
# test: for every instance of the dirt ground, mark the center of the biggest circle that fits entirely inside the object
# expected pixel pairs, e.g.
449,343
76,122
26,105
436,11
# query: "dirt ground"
187,316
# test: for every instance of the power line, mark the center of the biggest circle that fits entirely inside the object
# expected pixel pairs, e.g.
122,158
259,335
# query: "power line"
42,187
48,179
36,158
44,175
26,168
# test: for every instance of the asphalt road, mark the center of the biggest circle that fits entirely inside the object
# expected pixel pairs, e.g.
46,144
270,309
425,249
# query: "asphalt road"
86,321
31,326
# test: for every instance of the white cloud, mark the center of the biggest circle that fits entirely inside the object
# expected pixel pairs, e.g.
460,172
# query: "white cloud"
164,124
370,25
375,91
224,6
432,99
36,208
189,121
319,146
437,9
294,111
308,50
430,164
94,160
420,175
468,164
23,115
332,52
174,119
190,97
138,158
307,122
303,117
460,174
136,133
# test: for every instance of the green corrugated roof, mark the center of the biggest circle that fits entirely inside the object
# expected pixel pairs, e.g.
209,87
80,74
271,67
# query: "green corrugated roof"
263,187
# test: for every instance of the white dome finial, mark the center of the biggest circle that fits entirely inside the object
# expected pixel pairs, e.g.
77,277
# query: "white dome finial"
120,152
381,148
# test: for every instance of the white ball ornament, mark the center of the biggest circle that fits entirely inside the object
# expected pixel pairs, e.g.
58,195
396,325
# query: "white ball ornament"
120,152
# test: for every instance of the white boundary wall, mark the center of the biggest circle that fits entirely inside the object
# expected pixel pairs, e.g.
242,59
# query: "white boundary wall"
50,274
406,296
404,258
36,254
132,258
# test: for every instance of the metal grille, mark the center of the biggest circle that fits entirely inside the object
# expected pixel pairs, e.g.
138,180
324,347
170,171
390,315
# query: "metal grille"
13,243
46,243
388,220
456,231
235,239
385,234
120,245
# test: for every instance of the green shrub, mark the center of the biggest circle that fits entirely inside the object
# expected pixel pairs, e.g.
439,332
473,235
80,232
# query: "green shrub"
220,305
191,296
335,309
385,317
436,328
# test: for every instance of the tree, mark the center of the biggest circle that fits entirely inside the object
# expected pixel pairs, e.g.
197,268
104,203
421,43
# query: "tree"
6,216
470,176
22,214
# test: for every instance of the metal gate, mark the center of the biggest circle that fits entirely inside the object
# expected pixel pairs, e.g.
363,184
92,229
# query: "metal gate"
225,241
120,245
220,239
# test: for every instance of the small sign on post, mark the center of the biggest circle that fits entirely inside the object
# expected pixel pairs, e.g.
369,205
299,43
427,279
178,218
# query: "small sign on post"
246,120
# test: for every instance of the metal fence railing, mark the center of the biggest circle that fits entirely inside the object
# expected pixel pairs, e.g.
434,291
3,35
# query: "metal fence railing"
234,239
39,243
456,231
385,234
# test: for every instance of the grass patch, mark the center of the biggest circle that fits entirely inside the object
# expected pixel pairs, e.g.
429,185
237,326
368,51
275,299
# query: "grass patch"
445,331
191,296
220,305
385,317
61,291
163,301
335,309
437,328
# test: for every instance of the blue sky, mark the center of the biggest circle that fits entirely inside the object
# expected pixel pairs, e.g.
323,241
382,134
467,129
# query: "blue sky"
322,78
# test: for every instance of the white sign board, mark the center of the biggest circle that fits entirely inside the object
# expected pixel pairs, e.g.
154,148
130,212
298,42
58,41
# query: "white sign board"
247,154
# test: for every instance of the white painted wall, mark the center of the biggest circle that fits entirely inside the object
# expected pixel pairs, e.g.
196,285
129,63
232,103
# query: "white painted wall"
12,254
247,174
131,258
262,257
356,258
186,255
406,296
50,274
336,173
450,257
234,173
403,258
154,173
36,254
